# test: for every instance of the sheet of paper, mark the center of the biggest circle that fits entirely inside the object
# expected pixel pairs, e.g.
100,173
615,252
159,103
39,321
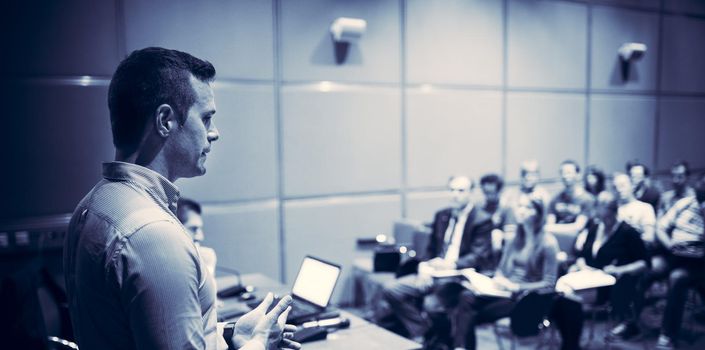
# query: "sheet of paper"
483,285
445,273
585,279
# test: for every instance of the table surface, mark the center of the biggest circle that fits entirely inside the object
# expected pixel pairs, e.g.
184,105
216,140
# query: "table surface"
360,335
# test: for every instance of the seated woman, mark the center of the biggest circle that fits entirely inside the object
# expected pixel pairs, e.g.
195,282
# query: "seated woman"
528,262
617,249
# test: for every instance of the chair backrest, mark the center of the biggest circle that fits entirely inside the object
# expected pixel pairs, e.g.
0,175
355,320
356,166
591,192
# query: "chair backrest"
404,230
414,234
566,241
530,311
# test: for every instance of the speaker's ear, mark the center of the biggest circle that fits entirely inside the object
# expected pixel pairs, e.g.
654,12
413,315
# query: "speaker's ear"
165,120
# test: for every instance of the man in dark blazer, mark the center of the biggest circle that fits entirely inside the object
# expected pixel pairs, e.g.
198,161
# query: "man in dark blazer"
643,190
461,237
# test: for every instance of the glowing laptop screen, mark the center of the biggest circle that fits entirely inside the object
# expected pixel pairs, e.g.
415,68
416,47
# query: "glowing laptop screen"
316,281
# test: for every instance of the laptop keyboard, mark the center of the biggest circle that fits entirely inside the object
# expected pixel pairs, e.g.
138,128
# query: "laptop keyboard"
298,309
301,309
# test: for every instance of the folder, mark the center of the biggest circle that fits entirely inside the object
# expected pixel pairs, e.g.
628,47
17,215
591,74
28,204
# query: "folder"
585,279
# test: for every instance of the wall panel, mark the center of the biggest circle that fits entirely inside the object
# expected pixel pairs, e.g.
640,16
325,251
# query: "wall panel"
456,42
348,137
546,127
451,132
622,128
58,136
680,134
683,67
46,38
236,36
547,43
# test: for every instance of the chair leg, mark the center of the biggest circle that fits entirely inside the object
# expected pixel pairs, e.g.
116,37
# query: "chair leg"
548,343
591,334
497,337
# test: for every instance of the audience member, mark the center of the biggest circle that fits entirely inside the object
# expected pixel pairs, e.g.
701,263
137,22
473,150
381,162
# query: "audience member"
528,186
643,190
636,213
528,263
491,186
189,212
460,238
680,231
594,180
569,211
615,247
679,180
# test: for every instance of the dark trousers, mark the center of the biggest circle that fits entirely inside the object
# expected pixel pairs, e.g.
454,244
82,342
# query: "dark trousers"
568,316
405,297
623,298
473,310
680,279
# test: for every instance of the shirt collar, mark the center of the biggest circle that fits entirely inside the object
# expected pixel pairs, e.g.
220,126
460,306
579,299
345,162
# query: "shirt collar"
158,185
465,210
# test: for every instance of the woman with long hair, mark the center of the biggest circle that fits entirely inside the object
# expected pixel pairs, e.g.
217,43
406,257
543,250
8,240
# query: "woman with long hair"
528,263
594,180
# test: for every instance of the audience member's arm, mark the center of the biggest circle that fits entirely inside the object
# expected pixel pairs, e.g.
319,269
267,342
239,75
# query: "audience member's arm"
665,225
480,255
637,253
568,229
649,225
506,252
575,258
550,219
631,268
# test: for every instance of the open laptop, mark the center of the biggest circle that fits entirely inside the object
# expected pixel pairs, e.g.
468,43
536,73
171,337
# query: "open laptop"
312,289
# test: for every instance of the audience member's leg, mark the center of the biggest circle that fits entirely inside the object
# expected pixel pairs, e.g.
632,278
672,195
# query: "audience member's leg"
659,270
438,305
473,310
568,316
439,331
622,301
679,282
659,267
404,296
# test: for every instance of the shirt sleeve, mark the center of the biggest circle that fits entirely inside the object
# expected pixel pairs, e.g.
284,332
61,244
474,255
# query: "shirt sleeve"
159,272
668,220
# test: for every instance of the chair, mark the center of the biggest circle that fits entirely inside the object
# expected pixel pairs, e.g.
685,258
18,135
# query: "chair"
613,302
53,304
55,343
594,310
529,316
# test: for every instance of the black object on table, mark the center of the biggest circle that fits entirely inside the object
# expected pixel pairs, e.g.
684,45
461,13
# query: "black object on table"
305,335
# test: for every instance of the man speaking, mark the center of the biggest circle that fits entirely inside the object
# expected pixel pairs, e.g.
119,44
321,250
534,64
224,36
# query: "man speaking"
133,274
